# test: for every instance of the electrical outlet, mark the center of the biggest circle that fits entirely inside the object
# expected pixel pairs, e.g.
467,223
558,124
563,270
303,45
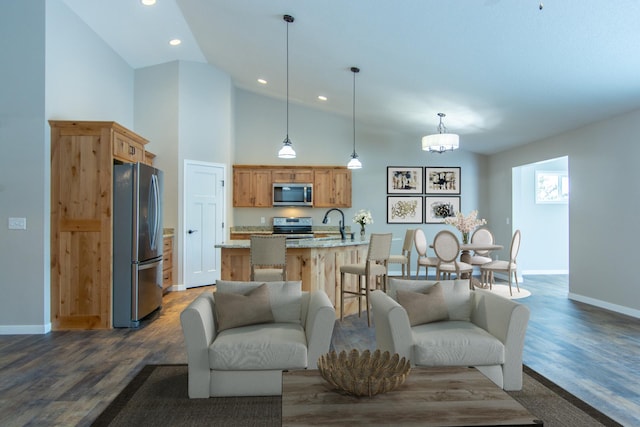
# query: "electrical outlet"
17,223
507,220
263,220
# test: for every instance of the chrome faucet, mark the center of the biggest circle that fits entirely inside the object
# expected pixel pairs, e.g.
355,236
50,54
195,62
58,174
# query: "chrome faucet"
341,223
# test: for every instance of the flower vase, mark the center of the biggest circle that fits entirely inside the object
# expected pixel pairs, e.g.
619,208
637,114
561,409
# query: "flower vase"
465,238
362,232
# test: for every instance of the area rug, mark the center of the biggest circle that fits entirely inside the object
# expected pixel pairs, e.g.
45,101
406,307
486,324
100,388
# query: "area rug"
503,291
158,396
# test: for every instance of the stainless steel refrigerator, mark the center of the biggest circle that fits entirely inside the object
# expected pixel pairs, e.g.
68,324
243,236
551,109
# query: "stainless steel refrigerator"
137,243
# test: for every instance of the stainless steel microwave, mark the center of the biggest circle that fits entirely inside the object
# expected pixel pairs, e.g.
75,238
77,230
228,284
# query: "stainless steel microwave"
292,194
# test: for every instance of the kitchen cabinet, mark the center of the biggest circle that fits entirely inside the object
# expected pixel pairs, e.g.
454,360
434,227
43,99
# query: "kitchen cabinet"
148,157
82,158
331,187
128,149
167,263
253,184
303,176
252,187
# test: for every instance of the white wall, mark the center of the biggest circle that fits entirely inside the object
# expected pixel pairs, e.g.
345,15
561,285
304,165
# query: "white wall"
604,203
186,110
321,138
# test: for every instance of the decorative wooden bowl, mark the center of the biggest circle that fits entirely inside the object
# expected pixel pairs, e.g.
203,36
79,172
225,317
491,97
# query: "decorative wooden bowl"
364,374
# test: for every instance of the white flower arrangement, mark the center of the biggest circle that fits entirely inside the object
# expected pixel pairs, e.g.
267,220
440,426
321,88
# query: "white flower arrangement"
363,217
465,224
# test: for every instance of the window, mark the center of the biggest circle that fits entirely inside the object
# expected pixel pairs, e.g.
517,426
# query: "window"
552,187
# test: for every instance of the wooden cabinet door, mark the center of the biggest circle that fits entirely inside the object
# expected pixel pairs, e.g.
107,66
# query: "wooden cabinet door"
322,188
126,149
342,188
331,188
292,175
252,188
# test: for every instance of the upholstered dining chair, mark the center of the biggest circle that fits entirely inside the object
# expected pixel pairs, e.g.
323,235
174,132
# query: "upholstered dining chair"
485,236
405,257
420,242
447,249
510,267
268,258
374,269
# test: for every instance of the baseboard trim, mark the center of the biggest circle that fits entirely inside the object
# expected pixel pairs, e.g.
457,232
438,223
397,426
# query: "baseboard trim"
25,329
605,305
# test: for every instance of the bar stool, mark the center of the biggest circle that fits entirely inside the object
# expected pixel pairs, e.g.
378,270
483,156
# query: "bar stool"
375,266
405,257
269,255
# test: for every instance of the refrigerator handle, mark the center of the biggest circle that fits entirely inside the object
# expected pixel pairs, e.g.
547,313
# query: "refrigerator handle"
156,207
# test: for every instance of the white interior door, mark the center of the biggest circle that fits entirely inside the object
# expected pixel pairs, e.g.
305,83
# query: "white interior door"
203,222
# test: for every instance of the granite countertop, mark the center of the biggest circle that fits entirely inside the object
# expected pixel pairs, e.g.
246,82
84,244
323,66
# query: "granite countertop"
317,242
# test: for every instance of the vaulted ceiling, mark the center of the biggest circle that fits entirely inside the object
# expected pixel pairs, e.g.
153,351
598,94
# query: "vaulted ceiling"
505,72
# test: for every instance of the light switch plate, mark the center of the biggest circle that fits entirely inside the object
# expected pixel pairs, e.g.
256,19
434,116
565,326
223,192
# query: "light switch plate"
17,223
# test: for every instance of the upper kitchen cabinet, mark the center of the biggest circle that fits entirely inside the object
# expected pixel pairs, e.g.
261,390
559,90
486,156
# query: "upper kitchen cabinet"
303,176
82,158
332,187
251,187
127,147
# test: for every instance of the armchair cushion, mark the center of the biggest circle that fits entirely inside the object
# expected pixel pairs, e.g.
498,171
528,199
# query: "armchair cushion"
285,297
234,310
457,294
259,347
456,343
424,307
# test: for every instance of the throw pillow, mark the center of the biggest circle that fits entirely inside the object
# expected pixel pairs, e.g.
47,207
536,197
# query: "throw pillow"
234,310
285,297
426,307
457,294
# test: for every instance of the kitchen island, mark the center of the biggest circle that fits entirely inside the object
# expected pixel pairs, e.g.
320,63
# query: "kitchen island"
315,261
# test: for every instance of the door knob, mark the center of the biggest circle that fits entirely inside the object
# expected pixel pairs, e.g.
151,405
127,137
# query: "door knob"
191,231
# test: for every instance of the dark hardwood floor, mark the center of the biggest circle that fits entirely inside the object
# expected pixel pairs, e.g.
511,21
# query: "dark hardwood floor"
68,378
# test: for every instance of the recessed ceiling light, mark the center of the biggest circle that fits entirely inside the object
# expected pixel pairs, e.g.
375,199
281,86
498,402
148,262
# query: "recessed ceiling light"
322,97
175,42
262,81
148,2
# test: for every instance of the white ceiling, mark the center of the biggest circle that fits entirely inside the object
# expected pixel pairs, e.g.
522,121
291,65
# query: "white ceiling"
504,71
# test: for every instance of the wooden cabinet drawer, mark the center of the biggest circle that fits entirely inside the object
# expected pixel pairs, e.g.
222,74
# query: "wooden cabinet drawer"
127,150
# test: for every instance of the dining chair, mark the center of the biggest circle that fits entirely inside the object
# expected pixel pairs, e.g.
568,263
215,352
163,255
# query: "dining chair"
510,267
268,256
447,249
485,236
405,257
420,242
375,267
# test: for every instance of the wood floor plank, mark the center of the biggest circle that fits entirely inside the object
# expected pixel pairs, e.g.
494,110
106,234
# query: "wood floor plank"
68,377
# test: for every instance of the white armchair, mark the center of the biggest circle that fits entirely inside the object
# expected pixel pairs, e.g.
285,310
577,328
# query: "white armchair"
482,330
249,360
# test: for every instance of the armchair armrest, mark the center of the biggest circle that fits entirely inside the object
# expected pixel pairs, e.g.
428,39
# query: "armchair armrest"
321,317
506,320
393,331
199,329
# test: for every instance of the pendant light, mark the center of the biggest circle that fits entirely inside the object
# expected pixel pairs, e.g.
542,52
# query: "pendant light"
287,151
354,163
441,141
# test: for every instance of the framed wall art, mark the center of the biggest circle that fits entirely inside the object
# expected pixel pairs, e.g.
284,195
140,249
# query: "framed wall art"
404,209
439,208
404,180
444,180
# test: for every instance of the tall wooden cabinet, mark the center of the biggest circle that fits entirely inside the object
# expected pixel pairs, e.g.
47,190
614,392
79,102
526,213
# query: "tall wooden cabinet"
82,157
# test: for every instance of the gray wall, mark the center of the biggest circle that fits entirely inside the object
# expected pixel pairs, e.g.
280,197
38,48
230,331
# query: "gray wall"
603,206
